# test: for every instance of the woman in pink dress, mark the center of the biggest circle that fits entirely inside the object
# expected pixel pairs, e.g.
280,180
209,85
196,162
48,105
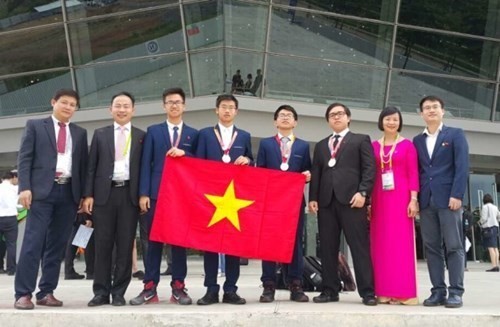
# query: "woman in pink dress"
393,207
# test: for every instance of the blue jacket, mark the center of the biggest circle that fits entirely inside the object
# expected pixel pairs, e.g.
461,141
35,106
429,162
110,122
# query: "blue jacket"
209,146
445,175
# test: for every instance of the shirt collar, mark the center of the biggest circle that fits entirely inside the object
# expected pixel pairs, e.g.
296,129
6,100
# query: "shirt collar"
343,133
56,122
127,126
426,131
290,137
223,128
171,126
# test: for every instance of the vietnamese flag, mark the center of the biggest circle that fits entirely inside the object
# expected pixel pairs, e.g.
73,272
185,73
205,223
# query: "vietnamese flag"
238,210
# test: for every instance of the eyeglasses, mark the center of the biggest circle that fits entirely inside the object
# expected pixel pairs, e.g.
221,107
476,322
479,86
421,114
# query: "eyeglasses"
285,116
338,114
434,106
177,103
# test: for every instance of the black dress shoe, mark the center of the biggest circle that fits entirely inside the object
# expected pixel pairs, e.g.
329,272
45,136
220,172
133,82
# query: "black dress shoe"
435,299
454,301
118,301
98,300
139,274
209,298
370,300
73,275
233,298
326,297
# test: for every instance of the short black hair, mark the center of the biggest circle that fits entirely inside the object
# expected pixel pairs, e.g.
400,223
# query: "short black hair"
487,198
67,92
287,108
7,175
337,104
226,97
174,90
125,93
387,111
431,98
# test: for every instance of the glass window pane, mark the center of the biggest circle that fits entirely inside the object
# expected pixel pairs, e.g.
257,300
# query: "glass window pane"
376,9
103,7
462,98
250,67
325,37
22,14
31,94
204,24
245,25
479,17
25,51
207,69
148,33
437,53
146,79
322,82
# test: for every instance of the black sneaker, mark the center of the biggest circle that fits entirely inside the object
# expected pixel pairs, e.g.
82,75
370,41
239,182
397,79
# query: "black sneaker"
326,297
268,293
209,298
233,298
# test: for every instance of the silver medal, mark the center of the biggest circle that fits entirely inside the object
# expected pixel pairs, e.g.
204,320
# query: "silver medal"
284,166
226,158
332,162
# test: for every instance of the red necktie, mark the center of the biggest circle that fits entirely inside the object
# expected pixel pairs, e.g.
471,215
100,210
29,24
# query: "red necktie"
61,138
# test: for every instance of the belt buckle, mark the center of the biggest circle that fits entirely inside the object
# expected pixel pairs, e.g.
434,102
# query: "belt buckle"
61,180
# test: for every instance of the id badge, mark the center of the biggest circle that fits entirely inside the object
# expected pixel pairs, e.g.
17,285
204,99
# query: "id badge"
388,181
120,168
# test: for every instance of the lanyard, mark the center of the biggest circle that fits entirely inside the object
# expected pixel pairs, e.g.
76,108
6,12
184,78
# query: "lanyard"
221,142
285,150
387,158
333,150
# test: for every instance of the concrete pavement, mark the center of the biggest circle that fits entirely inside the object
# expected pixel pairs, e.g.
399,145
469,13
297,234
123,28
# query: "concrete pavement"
481,305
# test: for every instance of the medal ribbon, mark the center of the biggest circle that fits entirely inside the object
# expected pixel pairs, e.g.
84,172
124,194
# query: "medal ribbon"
221,142
287,149
333,150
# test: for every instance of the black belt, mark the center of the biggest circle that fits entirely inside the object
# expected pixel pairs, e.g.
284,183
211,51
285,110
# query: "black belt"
119,183
62,180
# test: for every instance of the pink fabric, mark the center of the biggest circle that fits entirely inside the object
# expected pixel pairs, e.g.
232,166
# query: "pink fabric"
391,230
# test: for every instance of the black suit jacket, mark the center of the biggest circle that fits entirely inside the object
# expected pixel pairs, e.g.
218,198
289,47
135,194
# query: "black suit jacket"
101,164
354,171
37,158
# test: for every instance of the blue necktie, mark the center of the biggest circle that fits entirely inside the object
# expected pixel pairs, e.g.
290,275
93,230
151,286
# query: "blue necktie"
176,135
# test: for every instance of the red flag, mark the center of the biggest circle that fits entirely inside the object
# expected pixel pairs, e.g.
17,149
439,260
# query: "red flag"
238,210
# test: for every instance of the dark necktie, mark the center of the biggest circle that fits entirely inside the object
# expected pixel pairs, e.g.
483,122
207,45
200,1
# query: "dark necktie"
336,141
176,135
61,138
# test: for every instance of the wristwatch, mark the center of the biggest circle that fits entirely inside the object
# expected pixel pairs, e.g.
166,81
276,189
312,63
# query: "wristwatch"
363,193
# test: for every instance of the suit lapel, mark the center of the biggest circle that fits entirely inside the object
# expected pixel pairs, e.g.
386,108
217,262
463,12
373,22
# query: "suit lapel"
345,141
166,135
439,141
109,139
421,146
51,131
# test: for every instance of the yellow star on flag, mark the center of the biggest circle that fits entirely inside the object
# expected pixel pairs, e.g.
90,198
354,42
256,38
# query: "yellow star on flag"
227,206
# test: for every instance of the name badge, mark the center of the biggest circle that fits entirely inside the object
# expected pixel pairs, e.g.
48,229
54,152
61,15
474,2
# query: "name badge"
388,181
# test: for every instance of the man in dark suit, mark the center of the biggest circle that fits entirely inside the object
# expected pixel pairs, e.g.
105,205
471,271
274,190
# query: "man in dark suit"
443,157
112,197
286,152
175,139
342,177
228,144
51,164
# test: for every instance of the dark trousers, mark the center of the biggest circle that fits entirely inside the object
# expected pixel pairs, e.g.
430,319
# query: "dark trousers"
211,266
8,230
115,224
153,257
295,268
332,220
48,227
70,255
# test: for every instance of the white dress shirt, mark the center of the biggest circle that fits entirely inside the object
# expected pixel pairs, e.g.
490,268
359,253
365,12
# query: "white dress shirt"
226,134
64,160
121,170
8,199
431,139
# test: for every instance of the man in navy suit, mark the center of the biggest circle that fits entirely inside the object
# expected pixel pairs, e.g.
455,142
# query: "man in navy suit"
51,164
286,152
224,142
443,156
175,139
112,197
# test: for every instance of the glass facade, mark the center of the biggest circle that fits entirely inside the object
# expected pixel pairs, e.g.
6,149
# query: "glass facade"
367,54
